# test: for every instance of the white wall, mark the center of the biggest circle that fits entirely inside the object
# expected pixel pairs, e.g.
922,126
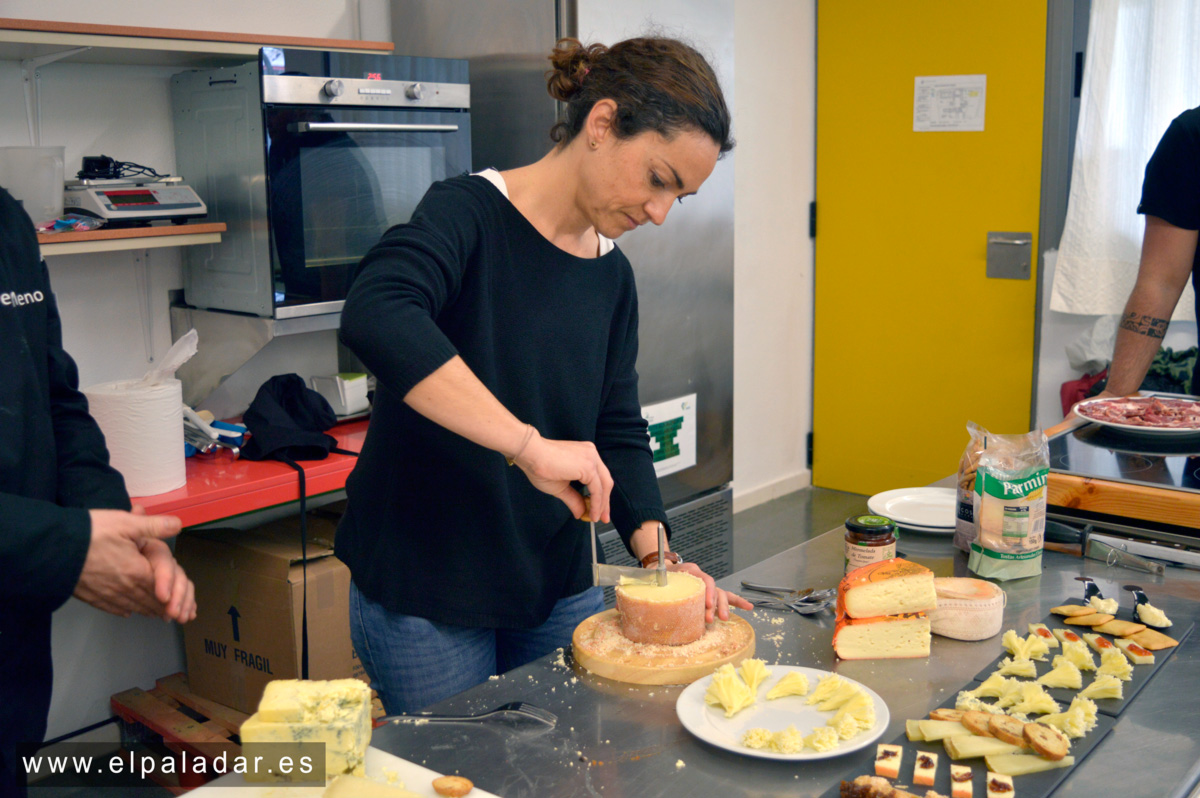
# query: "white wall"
775,42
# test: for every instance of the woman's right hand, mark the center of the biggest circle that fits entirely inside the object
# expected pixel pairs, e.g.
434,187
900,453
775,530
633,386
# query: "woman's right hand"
552,466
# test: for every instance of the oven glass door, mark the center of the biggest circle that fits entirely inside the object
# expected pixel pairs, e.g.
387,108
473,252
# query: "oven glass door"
338,179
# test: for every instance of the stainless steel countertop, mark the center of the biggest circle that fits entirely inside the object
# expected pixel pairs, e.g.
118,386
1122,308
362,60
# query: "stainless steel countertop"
616,739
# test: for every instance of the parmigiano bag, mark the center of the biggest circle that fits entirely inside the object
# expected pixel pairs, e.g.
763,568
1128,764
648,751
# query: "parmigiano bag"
1010,506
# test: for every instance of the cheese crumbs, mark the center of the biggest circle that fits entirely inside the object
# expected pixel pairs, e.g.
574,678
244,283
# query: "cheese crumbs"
822,739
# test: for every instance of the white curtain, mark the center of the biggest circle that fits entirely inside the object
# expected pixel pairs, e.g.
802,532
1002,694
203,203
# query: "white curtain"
1141,70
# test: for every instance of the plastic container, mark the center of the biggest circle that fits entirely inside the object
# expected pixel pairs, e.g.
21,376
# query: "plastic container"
34,176
869,539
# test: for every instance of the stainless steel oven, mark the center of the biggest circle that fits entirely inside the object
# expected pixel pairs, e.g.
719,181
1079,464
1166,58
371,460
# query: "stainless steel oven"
308,157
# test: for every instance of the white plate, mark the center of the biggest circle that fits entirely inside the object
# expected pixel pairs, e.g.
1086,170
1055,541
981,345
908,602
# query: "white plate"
924,508
1134,429
711,725
927,530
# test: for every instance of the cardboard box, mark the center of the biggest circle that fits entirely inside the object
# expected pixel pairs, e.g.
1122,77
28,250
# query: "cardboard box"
249,592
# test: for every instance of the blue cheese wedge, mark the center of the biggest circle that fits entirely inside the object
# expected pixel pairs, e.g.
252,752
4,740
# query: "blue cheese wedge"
336,713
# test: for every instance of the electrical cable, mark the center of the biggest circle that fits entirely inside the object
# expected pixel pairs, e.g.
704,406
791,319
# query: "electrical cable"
101,167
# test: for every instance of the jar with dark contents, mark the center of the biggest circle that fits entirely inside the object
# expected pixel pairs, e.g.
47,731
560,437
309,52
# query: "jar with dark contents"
869,538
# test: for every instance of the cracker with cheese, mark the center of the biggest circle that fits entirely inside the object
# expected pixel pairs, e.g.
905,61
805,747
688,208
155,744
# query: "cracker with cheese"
1067,636
1136,653
1043,631
1097,643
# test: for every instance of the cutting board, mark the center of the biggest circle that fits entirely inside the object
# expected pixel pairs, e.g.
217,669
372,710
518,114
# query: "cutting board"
380,766
1140,502
728,641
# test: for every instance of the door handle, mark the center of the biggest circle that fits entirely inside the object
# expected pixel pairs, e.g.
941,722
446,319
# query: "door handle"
367,127
1009,255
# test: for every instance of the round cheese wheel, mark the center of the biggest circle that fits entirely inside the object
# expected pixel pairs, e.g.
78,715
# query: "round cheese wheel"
670,615
967,609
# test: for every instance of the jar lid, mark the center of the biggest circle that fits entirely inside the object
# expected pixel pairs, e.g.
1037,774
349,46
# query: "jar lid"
877,525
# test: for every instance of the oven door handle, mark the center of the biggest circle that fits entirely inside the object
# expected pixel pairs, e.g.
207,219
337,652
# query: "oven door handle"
367,127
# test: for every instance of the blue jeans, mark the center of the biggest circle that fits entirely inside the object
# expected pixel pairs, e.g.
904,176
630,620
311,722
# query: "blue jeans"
414,662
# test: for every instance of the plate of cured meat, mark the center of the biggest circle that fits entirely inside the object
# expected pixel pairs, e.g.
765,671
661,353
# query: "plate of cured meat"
1159,415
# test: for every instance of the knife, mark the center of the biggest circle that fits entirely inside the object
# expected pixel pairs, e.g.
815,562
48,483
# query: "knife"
604,574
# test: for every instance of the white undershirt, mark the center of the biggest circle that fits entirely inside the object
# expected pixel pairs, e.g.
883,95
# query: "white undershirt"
494,177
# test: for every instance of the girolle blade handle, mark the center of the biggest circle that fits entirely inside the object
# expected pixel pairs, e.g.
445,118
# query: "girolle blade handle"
661,571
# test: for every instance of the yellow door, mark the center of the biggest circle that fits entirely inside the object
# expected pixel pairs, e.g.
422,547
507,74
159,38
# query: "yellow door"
911,338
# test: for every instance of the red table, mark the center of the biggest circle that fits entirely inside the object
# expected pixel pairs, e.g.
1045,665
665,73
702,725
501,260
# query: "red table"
219,487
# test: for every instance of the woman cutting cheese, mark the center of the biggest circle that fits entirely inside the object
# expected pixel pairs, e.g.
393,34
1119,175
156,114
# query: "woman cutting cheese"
501,323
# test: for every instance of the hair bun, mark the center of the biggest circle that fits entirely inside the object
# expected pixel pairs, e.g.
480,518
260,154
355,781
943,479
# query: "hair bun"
570,61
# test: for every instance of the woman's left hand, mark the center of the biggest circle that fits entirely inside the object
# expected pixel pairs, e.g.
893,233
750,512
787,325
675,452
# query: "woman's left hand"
716,601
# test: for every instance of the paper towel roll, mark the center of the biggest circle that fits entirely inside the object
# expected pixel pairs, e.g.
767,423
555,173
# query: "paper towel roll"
143,427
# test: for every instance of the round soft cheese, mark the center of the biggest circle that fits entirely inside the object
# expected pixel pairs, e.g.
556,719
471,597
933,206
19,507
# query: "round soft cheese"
669,615
967,609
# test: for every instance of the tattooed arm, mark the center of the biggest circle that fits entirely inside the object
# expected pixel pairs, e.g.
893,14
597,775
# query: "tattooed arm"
1167,256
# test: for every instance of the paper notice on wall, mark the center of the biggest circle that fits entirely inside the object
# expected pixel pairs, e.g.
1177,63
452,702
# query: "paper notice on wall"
672,434
949,102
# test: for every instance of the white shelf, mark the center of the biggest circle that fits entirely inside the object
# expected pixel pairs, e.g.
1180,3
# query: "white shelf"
111,44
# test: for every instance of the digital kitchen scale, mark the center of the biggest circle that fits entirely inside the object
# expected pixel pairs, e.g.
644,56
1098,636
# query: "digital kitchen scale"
134,201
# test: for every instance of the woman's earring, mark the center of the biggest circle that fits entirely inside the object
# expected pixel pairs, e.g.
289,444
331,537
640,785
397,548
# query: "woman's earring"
594,145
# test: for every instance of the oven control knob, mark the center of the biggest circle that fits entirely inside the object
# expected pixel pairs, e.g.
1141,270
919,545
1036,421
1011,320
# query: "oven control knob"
333,88
414,91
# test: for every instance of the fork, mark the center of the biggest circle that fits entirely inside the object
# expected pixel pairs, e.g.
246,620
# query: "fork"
792,595
513,709
801,607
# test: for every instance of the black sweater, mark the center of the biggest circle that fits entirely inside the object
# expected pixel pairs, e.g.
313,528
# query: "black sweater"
53,465
437,526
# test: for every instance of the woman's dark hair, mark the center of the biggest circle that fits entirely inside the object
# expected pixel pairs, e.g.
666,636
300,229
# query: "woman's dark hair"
658,84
